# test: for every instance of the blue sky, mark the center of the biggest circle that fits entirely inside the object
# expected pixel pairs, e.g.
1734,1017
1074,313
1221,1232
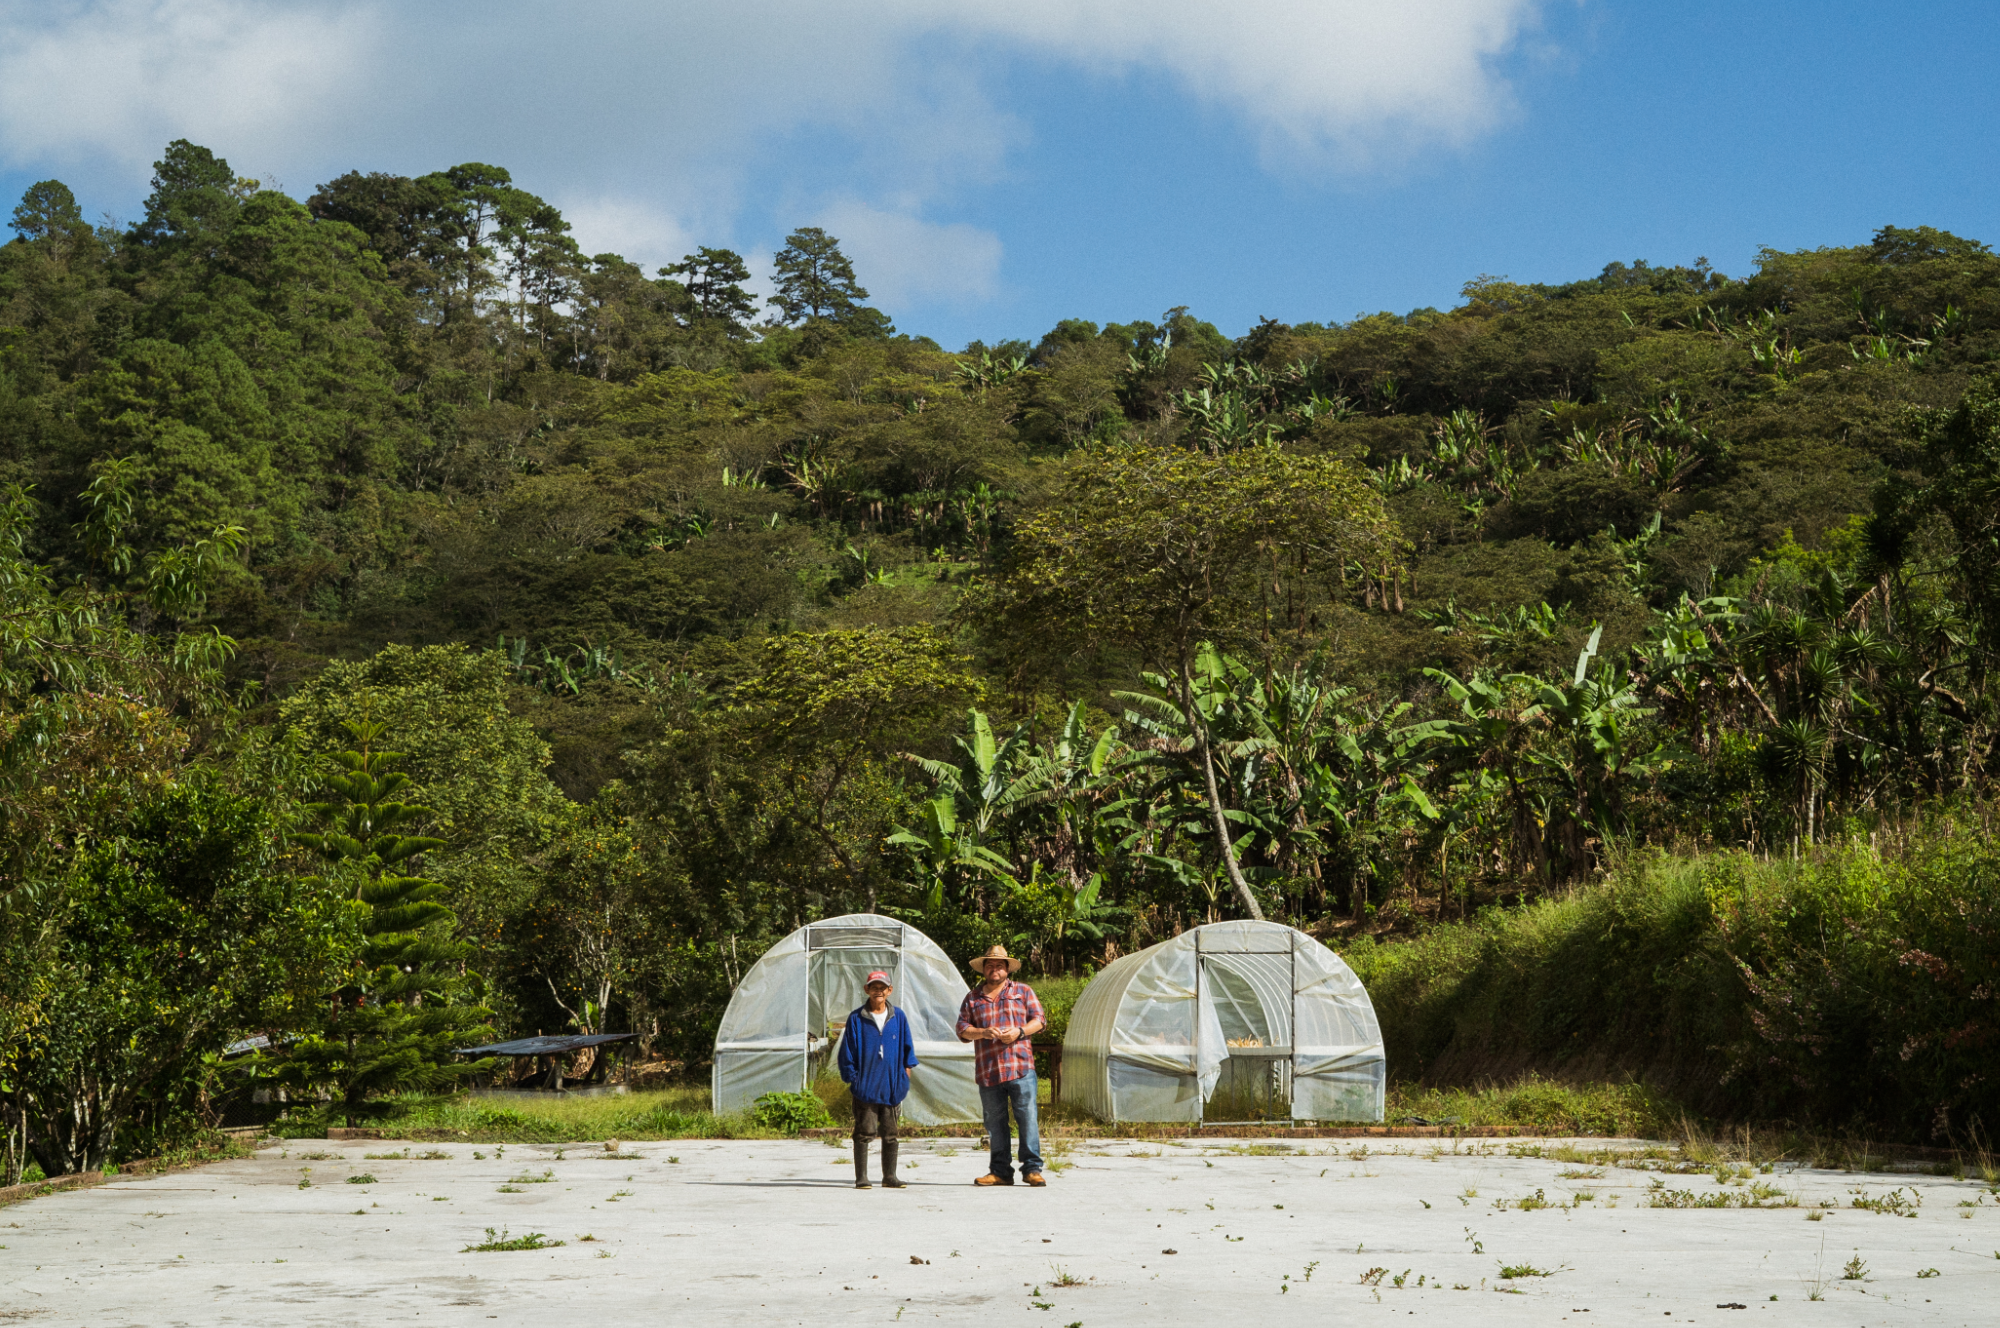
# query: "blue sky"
1105,159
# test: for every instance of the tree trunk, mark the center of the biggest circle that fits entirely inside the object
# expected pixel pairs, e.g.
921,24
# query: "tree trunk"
1222,835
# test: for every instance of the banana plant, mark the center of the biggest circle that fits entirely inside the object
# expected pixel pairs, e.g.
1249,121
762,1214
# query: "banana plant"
948,858
1599,745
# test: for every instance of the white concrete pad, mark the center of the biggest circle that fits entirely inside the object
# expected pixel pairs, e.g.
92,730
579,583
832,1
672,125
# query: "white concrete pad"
772,1233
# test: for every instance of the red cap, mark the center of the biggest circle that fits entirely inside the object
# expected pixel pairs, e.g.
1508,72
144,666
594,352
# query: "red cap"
878,976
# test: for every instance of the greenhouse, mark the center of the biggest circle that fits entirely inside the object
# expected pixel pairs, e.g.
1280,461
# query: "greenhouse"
785,1017
1231,1022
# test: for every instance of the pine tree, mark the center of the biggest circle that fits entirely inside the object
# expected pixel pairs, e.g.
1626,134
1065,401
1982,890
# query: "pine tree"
409,1001
814,278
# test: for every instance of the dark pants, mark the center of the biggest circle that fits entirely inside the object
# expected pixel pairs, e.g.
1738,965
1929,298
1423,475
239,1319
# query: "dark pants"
874,1120
1019,1096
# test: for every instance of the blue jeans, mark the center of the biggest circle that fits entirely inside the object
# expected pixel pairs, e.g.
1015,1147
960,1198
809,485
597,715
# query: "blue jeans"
994,1102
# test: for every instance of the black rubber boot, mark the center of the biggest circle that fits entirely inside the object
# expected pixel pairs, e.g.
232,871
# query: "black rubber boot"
861,1165
889,1181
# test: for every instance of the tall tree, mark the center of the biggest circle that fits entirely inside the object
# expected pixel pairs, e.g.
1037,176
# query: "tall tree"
477,197
815,279
1161,550
393,1024
195,196
713,278
48,214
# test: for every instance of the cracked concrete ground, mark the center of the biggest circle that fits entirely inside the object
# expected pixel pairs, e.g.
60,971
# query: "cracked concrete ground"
713,1232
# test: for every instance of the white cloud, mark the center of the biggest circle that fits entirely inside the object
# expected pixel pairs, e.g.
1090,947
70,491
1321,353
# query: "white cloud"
881,110
641,231
904,260
119,78
1347,74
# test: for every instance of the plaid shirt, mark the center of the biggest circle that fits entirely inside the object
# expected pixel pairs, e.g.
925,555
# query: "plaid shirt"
1013,1006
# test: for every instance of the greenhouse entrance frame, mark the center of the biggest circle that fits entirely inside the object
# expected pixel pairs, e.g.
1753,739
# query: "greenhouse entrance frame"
1272,1055
827,999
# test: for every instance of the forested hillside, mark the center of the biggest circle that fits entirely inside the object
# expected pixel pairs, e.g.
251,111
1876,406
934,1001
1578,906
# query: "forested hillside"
692,618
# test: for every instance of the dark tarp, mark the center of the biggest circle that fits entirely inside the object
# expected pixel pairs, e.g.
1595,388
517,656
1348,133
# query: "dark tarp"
546,1046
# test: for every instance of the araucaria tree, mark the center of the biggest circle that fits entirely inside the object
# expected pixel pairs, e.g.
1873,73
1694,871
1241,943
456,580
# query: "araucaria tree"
410,1000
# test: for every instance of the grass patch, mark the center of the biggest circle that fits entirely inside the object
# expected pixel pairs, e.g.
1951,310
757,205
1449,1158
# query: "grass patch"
1545,1106
1510,1271
1758,1195
363,1179
673,1113
534,1240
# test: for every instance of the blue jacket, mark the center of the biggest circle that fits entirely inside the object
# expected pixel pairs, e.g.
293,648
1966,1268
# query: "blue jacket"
876,1062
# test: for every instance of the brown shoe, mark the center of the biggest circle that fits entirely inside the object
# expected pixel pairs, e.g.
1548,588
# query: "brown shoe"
1035,1178
990,1179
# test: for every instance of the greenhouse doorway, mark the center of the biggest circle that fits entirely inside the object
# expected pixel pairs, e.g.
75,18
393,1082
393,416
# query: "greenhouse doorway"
1245,994
839,960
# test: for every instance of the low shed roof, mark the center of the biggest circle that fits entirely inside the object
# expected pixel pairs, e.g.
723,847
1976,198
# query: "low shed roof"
545,1046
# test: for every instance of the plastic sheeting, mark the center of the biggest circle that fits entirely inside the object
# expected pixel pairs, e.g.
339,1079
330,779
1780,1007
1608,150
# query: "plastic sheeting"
787,1013
1151,1037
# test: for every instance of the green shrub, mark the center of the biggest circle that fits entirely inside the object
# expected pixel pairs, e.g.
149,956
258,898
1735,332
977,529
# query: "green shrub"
1058,997
1851,989
790,1112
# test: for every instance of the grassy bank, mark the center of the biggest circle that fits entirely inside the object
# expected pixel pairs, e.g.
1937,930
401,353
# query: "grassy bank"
674,1113
1851,991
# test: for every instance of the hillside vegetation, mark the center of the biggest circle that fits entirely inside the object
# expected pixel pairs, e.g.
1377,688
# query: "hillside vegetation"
1560,655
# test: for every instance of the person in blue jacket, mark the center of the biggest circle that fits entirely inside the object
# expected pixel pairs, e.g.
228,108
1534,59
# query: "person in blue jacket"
876,1057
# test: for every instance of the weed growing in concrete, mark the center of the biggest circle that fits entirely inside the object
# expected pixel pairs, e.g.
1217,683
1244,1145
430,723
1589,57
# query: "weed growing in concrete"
386,1157
363,1179
1309,1271
1759,1195
1927,1272
534,1240
1527,1203
525,1179
305,1178
1854,1270
1510,1271
1896,1203
1374,1276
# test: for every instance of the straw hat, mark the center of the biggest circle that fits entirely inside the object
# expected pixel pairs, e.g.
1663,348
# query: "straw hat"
996,952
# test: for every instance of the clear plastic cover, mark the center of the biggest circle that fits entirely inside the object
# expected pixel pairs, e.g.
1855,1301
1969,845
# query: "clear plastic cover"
785,1017
1257,1010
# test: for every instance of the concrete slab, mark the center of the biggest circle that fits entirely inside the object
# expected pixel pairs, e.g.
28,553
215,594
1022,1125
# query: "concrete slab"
772,1233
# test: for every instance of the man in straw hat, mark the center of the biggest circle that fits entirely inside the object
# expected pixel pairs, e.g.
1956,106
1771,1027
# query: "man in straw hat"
998,1017
877,1054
